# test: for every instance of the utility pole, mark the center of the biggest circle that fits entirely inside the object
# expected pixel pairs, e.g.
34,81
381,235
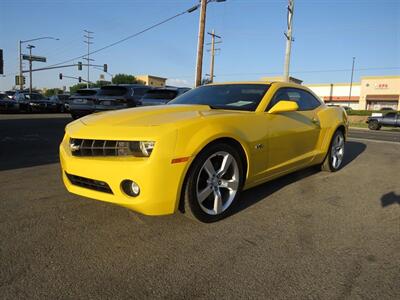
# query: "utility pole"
289,39
213,42
88,42
351,79
21,82
30,47
200,43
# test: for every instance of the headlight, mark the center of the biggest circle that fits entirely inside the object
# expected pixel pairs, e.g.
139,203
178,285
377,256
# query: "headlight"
136,148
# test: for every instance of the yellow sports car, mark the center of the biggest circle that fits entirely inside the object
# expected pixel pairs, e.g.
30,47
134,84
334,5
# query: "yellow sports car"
198,153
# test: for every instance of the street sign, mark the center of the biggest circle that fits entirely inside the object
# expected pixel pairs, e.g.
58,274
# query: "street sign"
33,58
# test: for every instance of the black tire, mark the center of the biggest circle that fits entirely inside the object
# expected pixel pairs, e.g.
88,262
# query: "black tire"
328,164
192,207
373,125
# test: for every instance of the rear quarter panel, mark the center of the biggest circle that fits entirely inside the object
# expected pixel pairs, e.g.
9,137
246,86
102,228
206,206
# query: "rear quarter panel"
331,118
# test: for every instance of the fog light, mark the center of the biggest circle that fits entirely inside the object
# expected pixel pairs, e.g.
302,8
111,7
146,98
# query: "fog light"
130,188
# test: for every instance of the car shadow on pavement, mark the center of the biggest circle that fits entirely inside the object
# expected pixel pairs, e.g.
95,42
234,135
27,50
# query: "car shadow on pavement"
30,142
389,199
256,194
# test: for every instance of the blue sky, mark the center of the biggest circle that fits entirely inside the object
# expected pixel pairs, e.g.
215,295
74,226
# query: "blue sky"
328,33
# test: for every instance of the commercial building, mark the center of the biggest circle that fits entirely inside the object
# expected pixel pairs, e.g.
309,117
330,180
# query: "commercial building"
151,80
338,93
372,93
380,91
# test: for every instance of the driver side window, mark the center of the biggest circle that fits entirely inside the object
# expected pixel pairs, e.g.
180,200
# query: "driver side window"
304,100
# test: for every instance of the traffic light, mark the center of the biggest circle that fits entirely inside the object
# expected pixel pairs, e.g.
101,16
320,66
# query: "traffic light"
60,76
105,67
23,79
17,80
80,79
79,66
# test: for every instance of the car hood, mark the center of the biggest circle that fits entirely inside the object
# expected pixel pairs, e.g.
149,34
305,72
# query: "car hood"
151,116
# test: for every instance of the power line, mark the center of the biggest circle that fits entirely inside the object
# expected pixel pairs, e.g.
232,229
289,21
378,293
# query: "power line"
129,37
300,72
278,72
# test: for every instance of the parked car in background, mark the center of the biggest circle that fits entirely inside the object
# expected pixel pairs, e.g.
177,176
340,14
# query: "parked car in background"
121,96
8,104
39,103
391,119
10,94
386,109
82,103
25,99
347,108
162,96
61,101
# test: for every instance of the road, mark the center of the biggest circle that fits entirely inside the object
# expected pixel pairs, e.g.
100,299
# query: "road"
378,135
311,234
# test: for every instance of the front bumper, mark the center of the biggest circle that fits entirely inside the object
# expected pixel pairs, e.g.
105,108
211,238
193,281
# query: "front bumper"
159,181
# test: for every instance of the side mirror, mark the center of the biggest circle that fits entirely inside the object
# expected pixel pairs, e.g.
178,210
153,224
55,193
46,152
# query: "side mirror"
284,106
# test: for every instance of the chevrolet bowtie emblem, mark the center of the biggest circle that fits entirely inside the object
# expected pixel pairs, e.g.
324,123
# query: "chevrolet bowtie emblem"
74,147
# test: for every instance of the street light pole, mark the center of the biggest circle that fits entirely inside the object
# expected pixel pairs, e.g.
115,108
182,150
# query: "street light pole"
30,67
21,81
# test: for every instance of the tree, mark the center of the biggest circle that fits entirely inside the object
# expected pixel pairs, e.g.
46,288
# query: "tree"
124,79
205,81
75,87
52,92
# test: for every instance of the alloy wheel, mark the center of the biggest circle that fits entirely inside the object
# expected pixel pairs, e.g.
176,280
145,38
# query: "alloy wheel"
337,151
217,183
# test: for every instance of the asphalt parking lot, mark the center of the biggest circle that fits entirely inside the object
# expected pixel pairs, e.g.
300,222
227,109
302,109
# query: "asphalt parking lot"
309,235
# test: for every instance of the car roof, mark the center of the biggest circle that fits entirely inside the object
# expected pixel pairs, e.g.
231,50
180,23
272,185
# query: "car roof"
128,85
275,83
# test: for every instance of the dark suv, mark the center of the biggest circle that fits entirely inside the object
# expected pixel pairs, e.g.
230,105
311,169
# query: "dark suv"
120,96
162,96
82,103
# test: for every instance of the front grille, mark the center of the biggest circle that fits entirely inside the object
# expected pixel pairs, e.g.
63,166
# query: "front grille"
85,147
88,183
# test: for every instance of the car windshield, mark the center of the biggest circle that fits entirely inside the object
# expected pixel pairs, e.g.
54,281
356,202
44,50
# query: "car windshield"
225,96
160,94
112,91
